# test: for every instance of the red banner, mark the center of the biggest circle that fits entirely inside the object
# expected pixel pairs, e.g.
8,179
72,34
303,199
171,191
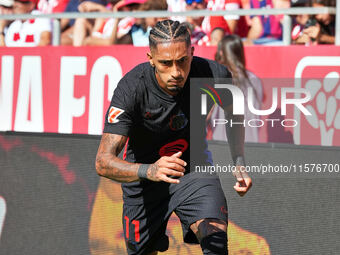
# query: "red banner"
67,90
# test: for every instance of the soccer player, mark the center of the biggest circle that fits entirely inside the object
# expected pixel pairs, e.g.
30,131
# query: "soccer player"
150,115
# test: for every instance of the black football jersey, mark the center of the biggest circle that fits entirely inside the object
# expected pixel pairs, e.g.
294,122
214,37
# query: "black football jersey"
158,124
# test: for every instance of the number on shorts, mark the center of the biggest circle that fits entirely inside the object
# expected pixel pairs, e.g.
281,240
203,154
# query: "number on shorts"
127,226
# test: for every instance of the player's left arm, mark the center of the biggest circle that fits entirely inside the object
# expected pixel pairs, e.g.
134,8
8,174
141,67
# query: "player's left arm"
235,134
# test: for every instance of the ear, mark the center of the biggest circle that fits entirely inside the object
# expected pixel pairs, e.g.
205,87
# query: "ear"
150,59
192,50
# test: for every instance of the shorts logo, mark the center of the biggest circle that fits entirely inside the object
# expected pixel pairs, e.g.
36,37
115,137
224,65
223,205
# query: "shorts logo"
114,112
224,210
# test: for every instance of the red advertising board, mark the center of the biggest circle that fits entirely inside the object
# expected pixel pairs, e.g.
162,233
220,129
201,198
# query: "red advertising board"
67,89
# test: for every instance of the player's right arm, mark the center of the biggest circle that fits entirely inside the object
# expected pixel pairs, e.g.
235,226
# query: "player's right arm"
109,165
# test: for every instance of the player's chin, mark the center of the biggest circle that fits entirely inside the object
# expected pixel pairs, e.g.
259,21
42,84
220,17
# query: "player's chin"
175,88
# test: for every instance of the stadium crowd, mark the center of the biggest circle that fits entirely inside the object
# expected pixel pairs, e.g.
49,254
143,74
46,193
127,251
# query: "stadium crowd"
265,30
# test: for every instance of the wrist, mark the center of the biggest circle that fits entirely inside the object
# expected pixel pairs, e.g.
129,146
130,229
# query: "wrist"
142,171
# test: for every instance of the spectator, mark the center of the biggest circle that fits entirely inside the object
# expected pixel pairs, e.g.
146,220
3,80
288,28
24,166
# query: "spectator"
121,27
196,22
6,7
67,25
230,53
264,29
52,6
218,28
141,30
322,31
246,5
32,32
84,27
198,34
281,4
210,30
300,21
234,23
216,36
177,6
55,6
117,31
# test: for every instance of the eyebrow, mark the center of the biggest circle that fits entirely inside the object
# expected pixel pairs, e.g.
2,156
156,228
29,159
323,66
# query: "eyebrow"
171,60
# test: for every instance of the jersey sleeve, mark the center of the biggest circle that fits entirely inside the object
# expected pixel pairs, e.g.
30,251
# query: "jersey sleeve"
120,114
44,24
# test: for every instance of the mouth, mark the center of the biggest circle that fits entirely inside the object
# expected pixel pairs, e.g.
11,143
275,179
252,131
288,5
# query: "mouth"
175,82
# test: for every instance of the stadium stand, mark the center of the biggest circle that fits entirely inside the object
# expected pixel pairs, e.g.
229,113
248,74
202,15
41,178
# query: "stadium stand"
207,30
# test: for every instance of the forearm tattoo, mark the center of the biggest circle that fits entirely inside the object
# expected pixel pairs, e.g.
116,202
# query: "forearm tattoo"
109,165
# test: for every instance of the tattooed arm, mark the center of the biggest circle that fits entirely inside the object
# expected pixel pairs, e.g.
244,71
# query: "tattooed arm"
110,166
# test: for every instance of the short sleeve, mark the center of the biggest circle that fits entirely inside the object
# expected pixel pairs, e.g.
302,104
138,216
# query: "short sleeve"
44,24
119,116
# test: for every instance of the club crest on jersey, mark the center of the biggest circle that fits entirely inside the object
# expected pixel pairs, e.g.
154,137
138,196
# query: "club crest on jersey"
114,112
178,122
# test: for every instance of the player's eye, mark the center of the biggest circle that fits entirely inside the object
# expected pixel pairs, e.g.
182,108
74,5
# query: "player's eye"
165,62
182,60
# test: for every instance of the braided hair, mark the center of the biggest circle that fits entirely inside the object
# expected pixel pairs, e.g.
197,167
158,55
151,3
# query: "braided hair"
169,31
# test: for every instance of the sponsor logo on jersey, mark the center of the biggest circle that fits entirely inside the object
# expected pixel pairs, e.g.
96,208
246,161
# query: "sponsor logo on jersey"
114,112
173,147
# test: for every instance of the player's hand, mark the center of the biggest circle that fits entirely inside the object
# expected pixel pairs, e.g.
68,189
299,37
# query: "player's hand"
165,167
243,181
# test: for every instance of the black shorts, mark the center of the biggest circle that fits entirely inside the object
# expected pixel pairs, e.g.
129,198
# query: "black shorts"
194,198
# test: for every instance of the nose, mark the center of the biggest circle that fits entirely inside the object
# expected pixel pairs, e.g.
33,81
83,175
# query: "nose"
175,72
